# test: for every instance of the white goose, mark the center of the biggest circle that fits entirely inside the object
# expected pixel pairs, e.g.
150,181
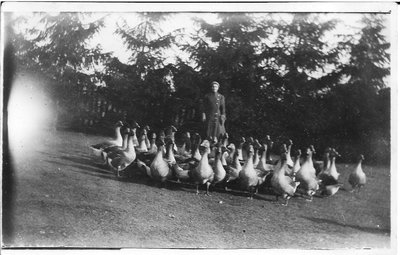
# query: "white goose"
296,165
111,151
289,161
160,169
240,148
142,147
357,178
248,176
257,147
282,184
203,173
116,141
219,170
306,175
122,160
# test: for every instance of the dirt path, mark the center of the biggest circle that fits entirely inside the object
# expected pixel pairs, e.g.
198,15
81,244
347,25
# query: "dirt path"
64,198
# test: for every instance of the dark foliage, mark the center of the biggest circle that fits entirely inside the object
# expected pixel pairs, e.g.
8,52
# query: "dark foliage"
281,78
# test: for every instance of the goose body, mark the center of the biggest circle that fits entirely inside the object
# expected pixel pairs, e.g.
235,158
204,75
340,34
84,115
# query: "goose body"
248,175
331,190
282,184
115,141
234,169
170,153
159,168
180,173
289,161
332,170
296,164
240,149
256,159
262,165
122,160
184,150
357,178
231,153
142,147
219,170
153,146
306,175
111,150
323,166
145,169
330,176
203,173
269,143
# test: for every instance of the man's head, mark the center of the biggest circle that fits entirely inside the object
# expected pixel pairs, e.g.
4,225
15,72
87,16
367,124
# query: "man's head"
214,86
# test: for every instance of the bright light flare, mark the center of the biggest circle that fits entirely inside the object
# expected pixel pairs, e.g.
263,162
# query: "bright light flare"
29,114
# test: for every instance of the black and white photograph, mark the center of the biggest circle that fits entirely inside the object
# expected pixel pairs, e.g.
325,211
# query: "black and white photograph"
262,126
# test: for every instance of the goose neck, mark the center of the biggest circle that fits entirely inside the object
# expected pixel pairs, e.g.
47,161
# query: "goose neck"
358,167
130,144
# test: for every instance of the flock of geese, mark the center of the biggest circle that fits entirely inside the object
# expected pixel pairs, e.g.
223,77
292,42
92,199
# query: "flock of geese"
248,164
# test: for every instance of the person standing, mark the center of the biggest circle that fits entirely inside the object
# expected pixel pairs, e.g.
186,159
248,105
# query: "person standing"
213,112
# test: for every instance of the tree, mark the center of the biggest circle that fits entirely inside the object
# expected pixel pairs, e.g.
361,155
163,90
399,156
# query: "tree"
144,85
364,102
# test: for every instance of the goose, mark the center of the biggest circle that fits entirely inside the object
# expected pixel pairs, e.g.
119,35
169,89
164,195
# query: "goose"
357,178
148,157
170,152
184,150
123,159
134,127
286,153
219,170
225,140
257,147
262,165
231,153
270,144
170,135
235,168
322,166
245,148
117,140
289,161
296,165
240,148
332,170
153,146
330,176
195,158
146,138
213,146
282,184
142,147
331,190
203,173
160,169
248,175
117,151
306,175
111,151
180,173
224,156
143,166
195,150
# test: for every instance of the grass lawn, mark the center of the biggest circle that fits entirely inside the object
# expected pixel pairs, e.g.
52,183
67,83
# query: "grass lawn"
62,197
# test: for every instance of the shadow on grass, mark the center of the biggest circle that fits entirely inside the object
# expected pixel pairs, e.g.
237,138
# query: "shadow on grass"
132,175
333,222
